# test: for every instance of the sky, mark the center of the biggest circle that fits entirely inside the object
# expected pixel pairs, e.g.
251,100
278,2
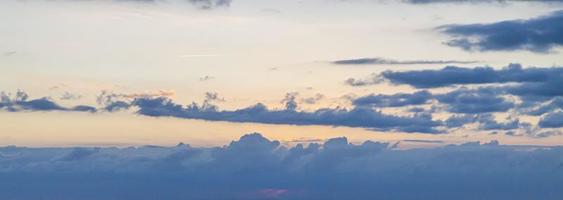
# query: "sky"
289,99
121,73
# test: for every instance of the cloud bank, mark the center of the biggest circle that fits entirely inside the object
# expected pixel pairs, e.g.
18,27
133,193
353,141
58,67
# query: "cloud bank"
254,167
540,34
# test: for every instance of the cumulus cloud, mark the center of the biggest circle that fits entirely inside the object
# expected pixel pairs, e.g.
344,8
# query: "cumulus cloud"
384,61
255,167
539,34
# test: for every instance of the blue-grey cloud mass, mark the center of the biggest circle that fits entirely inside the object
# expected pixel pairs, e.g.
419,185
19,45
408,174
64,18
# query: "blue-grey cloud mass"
482,100
259,113
394,100
451,75
540,34
254,167
20,102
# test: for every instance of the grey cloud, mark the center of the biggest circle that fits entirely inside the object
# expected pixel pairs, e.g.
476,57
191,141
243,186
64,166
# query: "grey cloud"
552,120
481,100
451,75
255,167
537,34
356,117
21,102
394,100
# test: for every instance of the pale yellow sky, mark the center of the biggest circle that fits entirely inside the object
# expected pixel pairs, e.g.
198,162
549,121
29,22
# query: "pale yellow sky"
86,47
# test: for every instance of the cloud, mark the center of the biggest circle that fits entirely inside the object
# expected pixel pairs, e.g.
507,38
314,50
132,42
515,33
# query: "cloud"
259,113
373,79
395,100
481,100
476,1
552,120
313,99
21,102
255,167
451,75
70,96
209,4
383,61
119,101
539,34
545,107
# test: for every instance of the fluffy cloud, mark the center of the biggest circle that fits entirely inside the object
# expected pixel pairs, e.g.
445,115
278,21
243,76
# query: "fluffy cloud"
257,168
538,34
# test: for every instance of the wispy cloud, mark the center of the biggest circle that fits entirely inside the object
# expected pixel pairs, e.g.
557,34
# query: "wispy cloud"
384,61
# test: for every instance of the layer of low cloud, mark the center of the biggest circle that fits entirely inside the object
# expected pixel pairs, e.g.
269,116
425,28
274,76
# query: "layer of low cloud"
254,167
541,34
259,113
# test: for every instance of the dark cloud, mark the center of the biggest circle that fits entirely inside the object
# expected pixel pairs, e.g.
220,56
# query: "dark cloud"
383,61
209,4
545,107
486,121
451,75
255,167
481,100
356,117
21,102
477,1
394,100
425,141
552,120
538,34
